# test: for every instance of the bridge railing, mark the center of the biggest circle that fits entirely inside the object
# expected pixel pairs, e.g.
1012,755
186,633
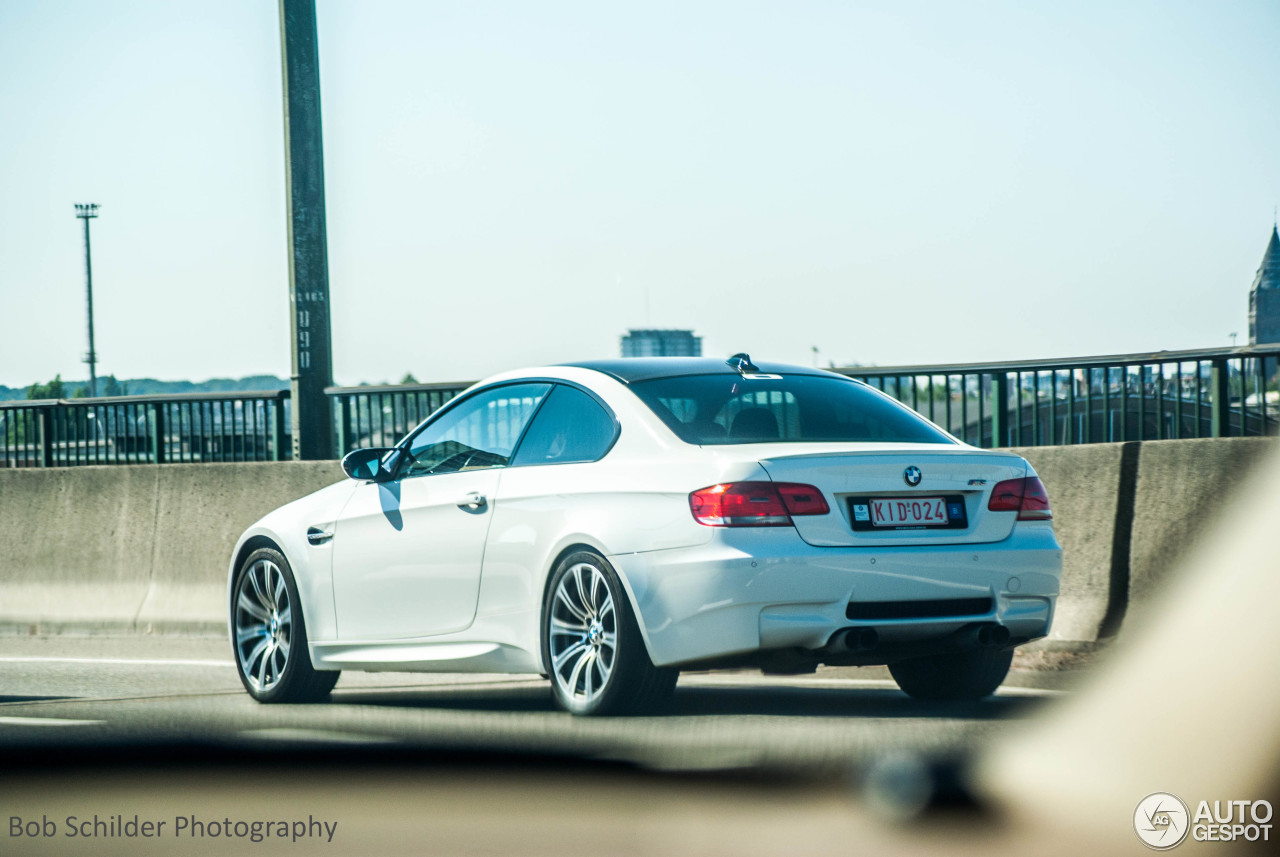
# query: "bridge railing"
380,416
197,427
1223,392
202,427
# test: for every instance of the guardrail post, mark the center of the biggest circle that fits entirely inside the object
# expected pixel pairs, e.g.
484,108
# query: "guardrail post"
1106,404
277,432
999,409
1219,397
158,432
45,416
344,424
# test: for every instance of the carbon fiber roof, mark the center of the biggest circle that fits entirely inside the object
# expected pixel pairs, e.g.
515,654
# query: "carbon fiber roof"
630,369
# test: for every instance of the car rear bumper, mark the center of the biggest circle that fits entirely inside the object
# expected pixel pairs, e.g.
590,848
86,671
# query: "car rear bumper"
753,591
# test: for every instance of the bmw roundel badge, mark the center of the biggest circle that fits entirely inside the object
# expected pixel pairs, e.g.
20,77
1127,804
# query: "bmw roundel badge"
912,476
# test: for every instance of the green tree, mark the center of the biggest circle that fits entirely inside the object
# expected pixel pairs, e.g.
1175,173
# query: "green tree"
112,387
409,379
55,389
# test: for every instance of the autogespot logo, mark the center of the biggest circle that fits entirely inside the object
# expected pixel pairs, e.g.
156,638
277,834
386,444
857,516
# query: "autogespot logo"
1161,821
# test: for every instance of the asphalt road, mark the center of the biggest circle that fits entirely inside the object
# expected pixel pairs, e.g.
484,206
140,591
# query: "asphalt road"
157,729
82,691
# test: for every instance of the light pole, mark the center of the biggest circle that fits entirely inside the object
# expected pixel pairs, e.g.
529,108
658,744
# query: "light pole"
312,420
87,212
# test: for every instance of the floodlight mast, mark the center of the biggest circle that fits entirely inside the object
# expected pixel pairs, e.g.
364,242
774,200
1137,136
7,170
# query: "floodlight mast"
87,212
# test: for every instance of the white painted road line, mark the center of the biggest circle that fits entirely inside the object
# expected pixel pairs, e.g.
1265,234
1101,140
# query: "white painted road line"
1007,690
147,662
46,721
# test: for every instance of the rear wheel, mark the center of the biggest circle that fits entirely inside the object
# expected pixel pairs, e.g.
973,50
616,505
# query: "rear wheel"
270,636
963,675
591,643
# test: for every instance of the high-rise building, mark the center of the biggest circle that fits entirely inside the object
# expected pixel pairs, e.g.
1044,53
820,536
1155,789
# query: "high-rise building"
661,343
1264,297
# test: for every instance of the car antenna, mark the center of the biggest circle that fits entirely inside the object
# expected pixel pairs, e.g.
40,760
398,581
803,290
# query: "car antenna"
742,362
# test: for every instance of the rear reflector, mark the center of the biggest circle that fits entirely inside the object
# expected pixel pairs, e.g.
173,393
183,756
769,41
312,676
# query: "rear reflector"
755,504
1026,496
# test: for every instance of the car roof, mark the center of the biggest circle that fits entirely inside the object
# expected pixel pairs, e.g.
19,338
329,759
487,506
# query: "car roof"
632,369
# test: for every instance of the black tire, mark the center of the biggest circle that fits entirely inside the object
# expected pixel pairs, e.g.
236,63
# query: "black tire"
591,644
269,634
963,675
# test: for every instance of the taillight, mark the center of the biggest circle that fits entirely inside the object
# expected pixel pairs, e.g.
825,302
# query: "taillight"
1025,496
802,499
755,504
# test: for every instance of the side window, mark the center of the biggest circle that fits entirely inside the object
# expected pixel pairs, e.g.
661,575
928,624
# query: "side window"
570,427
477,433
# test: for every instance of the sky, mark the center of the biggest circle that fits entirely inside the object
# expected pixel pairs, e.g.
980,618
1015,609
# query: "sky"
513,184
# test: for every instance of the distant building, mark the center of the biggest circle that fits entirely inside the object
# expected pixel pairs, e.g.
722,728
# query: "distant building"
663,343
1264,297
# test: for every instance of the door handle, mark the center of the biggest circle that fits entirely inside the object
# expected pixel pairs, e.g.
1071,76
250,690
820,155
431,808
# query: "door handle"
317,536
473,500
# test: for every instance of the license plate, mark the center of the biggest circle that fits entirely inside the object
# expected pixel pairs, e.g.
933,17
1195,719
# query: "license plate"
909,512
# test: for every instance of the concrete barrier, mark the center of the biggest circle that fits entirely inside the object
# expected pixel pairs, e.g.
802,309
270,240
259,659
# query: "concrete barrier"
146,547
1181,488
1085,485
133,547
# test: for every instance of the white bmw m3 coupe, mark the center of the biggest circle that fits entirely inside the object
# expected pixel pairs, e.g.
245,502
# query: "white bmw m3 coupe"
608,524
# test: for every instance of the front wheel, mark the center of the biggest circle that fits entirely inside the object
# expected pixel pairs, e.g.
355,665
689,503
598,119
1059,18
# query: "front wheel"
962,675
270,636
591,643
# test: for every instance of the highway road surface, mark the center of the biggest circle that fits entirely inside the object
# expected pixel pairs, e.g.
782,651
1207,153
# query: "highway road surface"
98,733
85,690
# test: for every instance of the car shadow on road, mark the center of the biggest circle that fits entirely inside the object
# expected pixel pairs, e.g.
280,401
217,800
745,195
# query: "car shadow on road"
497,698
839,702
701,701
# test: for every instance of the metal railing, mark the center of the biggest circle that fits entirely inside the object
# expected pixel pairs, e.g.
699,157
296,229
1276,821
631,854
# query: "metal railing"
1224,392
152,429
380,416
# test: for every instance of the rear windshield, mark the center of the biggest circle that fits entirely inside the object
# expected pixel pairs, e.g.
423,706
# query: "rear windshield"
725,409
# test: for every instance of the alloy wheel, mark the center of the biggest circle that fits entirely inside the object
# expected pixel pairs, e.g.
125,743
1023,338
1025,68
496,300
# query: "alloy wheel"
263,625
583,633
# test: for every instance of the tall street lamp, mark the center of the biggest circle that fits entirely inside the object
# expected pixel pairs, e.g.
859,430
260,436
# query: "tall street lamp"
86,213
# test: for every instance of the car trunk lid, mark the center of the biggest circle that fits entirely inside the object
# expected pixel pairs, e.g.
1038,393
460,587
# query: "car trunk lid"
959,480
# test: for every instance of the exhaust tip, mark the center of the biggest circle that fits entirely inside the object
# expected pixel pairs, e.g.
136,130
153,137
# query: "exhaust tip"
856,640
865,639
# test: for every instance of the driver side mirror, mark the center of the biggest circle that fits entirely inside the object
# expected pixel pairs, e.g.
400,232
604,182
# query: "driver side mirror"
367,463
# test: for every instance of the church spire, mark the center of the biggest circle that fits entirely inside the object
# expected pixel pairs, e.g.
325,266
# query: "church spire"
1264,297
1269,271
